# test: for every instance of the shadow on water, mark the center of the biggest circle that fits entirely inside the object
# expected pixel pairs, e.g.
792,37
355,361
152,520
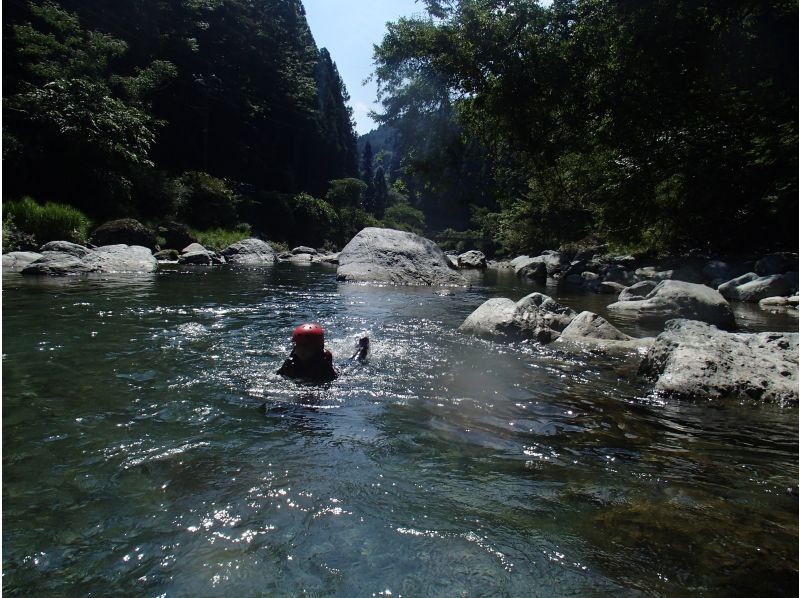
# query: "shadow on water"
149,447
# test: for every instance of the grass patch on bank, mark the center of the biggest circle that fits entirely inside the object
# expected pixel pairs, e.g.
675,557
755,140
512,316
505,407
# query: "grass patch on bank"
48,222
218,239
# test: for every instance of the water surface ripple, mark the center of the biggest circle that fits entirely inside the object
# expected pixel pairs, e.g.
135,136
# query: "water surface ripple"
149,448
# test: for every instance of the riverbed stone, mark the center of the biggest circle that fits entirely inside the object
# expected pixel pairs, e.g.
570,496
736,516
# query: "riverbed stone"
472,259
202,257
653,273
590,325
535,316
637,291
616,273
121,258
695,360
716,272
776,263
56,263
610,288
677,299
518,259
775,302
167,255
16,261
175,234
532,268
328,258
124,231
304,249
792,279
65,247
388,256
108,259
755,289
250,252
193,247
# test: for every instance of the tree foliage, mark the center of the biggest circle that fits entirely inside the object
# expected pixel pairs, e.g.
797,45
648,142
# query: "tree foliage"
107,109
668,123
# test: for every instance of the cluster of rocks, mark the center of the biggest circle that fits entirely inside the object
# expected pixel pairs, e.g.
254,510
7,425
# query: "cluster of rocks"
772,276
308,255
60,258
689,359
125,245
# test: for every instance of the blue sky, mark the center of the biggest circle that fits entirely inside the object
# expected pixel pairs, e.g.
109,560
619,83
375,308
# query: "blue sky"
348,29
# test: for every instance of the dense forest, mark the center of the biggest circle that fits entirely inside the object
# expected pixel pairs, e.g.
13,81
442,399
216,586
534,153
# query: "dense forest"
506,125
662,125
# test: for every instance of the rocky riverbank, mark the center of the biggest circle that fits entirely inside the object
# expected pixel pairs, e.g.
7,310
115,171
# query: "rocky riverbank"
693,357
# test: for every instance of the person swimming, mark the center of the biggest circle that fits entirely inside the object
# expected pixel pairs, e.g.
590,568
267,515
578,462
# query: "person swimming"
310,359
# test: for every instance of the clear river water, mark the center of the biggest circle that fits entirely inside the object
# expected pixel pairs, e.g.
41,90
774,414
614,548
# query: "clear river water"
150,449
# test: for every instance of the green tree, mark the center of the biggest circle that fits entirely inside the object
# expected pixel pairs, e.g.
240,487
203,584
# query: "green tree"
346,193
70,115
668,124
380,192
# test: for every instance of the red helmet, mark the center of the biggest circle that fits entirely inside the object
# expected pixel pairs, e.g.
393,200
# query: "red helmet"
309,334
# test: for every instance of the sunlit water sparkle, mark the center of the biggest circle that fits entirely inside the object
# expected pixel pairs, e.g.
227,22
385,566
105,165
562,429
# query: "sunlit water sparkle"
149,447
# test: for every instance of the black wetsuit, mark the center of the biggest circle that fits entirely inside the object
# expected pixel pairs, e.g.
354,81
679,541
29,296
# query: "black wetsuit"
318,369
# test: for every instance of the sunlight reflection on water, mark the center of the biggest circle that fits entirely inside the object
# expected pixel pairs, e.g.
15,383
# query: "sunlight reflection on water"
164,455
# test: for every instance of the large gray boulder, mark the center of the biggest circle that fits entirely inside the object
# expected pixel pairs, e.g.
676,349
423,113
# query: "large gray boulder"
472,259
695,360
676,299
250,252
109,259
753,288
16,261
535,316
589,325
112,259
384,255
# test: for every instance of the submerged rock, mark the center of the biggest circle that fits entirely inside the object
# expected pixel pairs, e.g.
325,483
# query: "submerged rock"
695,360
676,299
250,252
535,316
384,255
16,261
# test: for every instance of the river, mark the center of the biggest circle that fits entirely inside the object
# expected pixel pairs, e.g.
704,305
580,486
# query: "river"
150,449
